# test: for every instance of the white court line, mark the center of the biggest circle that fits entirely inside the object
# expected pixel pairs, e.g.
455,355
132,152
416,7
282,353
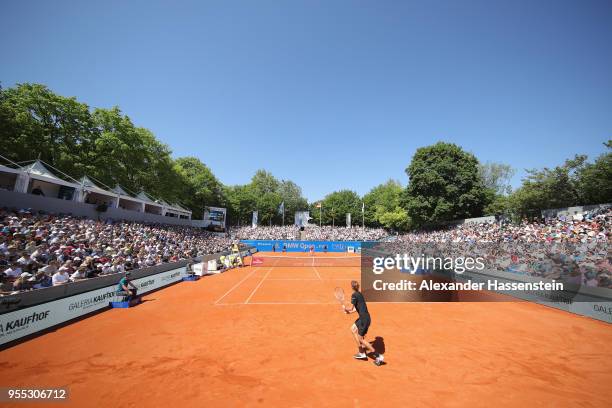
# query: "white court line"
236,285
310,303
275,303
257,287
317,272
309,279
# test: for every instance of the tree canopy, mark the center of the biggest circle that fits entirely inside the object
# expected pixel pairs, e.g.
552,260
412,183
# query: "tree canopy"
445,182
445,185
335,206
383,207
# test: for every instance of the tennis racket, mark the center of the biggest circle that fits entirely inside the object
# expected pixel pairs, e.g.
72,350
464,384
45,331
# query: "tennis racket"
339,293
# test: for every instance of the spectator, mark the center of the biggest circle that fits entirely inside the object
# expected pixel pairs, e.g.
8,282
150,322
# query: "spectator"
79,274
14,270
6,285
61,276
41,280
22,283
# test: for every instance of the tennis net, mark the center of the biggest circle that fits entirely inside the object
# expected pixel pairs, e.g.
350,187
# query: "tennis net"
306,261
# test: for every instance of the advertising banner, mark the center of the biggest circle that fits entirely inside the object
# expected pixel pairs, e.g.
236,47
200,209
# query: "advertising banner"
23,322
304,246
302,218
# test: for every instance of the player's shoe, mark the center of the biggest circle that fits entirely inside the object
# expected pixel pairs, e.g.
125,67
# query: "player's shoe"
379,360
360,356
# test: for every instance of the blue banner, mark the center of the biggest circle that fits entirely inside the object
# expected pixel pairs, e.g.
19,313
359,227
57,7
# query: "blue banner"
304,246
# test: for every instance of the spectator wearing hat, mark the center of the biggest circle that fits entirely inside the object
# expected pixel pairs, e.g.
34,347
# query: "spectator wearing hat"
51,268
61,277
79,274
23,283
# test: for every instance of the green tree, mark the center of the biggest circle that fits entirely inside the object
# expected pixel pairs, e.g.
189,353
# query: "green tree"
383,206
445,185
241,201
336,205
200,188
549,188
264,182
595,180
496,177
35,122
267,205
291,195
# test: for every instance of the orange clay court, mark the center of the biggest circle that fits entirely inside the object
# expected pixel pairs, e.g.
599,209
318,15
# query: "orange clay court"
276,336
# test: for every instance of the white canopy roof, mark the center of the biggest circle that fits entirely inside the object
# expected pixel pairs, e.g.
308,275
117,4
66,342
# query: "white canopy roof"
89,185
180,207
124,195
5,169
173,207
144,197
38,171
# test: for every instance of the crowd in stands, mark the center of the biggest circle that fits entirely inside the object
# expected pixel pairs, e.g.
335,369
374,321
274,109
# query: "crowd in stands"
572,249
310,233
39,250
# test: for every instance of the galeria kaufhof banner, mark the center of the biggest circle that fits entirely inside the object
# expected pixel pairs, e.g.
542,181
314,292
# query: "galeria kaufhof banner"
304,246
23,322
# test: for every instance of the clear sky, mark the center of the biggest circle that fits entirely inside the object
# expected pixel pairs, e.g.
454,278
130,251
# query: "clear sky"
330,94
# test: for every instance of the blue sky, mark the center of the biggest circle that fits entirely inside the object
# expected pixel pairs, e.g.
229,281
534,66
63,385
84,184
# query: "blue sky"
330,94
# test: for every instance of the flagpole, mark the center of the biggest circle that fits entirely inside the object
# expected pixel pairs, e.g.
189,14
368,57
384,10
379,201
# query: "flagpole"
320,214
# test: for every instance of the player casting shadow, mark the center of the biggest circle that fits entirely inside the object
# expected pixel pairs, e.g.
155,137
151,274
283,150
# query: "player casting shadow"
379,346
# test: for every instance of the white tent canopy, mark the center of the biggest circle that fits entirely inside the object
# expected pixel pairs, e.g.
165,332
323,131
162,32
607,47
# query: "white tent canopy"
38,171
144,197
124,195
5,169
181,208
90,186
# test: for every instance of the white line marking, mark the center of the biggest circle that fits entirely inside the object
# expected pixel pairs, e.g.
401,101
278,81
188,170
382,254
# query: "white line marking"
309,279
275,303
309,303
257,287
236,285
317,272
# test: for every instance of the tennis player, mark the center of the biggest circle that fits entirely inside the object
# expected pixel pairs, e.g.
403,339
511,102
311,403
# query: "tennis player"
361,325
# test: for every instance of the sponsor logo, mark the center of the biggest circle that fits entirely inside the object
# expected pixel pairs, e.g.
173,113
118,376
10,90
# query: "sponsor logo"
91,301
171,277
147,283
257,261
603,309
22,323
